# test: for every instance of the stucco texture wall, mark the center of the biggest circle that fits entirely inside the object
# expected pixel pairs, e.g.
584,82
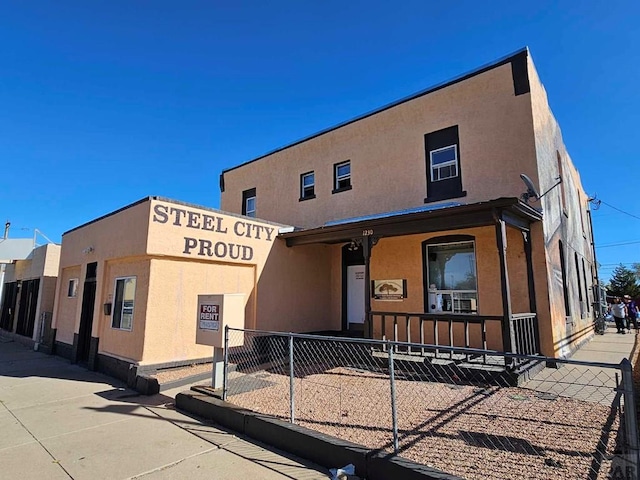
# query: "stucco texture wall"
388,158
43,261
565,220
171,316
401,257
67,308
124,344
294,290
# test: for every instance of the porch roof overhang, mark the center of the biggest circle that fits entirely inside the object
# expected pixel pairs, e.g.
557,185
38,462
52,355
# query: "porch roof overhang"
512,211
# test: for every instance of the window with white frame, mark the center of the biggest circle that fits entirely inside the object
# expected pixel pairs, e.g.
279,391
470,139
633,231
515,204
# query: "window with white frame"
307,185
452,277
249,202
123,303
342,176
72,290
444,163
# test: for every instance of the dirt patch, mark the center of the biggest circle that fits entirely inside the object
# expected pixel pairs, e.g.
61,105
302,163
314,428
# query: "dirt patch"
474,432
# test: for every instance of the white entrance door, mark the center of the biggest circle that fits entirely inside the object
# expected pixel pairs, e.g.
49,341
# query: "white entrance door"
355,294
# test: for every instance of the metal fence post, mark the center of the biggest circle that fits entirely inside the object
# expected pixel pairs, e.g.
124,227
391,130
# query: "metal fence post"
225,369
292,404
394,412
631,423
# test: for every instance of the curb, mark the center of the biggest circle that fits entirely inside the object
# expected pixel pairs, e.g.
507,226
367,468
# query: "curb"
325,450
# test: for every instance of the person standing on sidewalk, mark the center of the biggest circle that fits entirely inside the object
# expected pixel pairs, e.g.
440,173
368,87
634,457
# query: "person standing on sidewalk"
619,312
632,312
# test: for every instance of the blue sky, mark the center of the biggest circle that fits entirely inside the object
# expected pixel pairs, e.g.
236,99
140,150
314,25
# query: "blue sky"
106,102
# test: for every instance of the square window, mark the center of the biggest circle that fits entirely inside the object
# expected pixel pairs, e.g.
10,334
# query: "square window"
123,303
72,291
444,163
249,202
307,186
342,176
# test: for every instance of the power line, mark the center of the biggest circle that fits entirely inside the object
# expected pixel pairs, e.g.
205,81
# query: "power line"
618,244
621,211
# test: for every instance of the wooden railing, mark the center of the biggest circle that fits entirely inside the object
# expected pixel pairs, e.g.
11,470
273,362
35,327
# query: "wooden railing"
426,328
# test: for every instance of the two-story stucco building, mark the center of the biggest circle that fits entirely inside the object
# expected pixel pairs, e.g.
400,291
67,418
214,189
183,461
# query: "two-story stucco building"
427,191
408,222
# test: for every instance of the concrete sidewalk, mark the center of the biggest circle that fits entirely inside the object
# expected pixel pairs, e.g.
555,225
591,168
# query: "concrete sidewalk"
611,347
60,421
589,382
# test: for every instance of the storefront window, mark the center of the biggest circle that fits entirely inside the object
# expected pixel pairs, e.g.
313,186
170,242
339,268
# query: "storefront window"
452,278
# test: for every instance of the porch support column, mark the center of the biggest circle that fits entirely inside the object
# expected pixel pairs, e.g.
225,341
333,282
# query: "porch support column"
367,245
501,239
532,287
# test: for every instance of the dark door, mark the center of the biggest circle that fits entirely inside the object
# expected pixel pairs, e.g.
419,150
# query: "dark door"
28,303
86,315
9,298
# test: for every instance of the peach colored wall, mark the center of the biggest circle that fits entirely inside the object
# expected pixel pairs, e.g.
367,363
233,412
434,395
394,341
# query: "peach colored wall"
173,303
218,236
401,257
294,290
43,261
123,343
67,308
189,250
496,144
565,220
119,235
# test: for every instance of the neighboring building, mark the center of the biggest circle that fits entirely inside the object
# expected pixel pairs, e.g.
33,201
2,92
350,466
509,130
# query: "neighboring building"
12,249
424,196
29,294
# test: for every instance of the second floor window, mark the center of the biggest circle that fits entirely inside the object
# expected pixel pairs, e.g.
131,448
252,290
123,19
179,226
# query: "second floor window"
307,186
342,176
249,202
444,163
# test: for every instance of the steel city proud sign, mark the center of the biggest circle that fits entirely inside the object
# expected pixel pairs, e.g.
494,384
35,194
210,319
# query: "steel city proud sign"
224,250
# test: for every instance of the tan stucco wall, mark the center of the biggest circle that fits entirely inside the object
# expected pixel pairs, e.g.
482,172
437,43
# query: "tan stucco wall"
122,343
401,257
170,333
563,220
43,262
387,154
177,251
67,308
294,290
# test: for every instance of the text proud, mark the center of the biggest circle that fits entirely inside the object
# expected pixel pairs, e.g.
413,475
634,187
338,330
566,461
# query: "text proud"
223,250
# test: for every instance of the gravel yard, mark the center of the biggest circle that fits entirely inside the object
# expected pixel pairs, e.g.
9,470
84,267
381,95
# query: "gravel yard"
473,432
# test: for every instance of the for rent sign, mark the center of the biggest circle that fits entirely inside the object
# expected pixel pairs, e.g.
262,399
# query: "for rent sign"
215,312
210,317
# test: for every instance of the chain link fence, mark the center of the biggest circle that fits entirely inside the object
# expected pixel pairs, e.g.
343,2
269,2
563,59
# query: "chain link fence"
576,420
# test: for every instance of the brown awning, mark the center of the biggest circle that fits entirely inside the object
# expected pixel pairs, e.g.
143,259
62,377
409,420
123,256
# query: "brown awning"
513,211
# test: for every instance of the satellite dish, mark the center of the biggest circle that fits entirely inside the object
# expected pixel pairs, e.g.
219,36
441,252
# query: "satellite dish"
531,189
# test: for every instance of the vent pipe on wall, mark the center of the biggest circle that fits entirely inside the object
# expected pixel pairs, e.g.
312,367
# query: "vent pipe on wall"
6,229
